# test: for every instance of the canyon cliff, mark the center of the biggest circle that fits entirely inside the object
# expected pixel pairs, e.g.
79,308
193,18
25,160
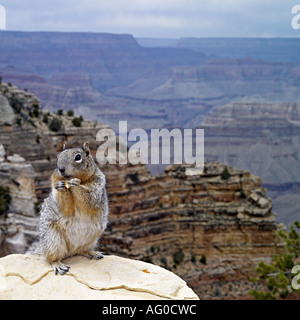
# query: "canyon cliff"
263,138
210,229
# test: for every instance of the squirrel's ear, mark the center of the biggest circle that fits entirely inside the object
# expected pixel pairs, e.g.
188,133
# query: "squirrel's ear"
64,147
86,148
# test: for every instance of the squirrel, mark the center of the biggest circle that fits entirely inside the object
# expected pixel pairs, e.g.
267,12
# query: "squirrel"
75,214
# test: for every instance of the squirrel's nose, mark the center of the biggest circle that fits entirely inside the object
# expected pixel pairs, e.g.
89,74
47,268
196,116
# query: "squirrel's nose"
62,169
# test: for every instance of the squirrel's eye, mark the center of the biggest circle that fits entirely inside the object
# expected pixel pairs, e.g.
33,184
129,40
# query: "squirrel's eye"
78,158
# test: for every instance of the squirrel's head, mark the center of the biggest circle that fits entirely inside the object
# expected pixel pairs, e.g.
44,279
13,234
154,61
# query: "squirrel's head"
76,162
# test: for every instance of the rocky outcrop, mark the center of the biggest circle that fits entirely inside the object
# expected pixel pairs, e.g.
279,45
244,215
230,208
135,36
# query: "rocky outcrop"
6,111
112,278
210,229
265,139
30,135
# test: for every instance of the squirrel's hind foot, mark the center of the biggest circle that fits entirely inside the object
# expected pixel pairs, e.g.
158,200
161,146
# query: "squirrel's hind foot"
60,268
94,255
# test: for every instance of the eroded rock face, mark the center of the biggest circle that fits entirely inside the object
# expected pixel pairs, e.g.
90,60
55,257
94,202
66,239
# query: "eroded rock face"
19,224
6,111
209,230
264,138
30,277
2,153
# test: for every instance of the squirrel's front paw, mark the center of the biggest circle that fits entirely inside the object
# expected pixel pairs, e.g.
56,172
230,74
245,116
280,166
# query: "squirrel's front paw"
60,185
74,182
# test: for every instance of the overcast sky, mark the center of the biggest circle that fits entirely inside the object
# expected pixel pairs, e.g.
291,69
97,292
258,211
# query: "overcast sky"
155,18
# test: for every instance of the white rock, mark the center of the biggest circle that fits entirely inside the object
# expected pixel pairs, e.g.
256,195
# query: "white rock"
113,278
254,197
263,203
7,113
2,153
15,158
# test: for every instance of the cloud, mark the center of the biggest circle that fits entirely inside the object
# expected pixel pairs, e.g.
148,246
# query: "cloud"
156,18
138,21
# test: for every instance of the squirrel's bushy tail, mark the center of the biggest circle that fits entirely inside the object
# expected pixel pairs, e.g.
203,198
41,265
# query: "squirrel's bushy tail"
35,248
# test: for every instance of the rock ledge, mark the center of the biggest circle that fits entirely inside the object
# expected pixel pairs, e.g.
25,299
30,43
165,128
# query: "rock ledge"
113,278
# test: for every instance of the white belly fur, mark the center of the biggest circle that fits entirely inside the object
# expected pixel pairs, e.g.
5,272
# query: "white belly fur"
82,232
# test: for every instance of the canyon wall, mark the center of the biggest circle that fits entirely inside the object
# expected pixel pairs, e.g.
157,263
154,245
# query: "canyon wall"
265,139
